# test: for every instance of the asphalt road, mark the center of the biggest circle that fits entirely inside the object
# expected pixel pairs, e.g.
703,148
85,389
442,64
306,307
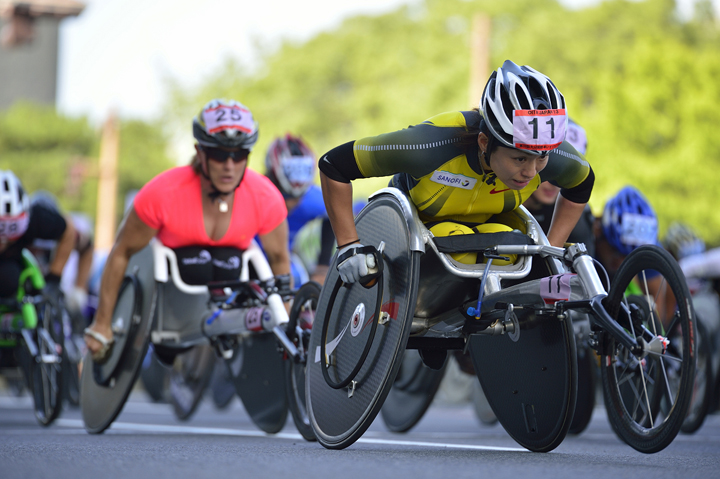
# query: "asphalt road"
147,441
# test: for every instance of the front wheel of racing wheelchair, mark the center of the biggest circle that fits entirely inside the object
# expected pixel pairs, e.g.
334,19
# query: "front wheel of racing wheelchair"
361,334
647,396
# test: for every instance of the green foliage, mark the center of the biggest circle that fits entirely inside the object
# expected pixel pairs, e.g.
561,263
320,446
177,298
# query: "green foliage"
59,154
642,83
31,127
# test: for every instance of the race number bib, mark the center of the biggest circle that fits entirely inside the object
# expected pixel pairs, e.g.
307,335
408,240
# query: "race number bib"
299,170
14,227
228,117
541,130
638,229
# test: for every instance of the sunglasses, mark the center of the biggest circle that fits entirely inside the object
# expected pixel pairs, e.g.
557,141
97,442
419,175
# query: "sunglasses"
219,155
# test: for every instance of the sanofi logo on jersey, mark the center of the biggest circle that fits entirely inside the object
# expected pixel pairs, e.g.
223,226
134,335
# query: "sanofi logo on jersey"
453,179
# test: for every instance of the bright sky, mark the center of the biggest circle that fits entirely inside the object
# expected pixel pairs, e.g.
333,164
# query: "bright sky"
117,53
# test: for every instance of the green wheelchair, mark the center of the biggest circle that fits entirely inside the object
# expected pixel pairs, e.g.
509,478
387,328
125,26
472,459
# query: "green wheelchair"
31,340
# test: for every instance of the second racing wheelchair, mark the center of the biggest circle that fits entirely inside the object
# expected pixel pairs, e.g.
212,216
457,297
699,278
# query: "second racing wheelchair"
513,320
245,321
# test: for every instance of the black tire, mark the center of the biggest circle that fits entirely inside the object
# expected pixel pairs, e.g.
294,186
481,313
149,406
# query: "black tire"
221,385
71,359
71,381
647,398
154,377
585,404
703,386
303,312
46,378
189,379
412,393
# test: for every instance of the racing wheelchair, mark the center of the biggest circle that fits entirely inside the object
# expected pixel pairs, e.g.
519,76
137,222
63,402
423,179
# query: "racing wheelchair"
31,339
514,322
244,320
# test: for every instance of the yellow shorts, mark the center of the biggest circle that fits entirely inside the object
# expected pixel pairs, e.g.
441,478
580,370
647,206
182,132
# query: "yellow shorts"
449,228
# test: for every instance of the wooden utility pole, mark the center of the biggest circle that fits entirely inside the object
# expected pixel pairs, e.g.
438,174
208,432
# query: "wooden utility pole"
479,56
107,184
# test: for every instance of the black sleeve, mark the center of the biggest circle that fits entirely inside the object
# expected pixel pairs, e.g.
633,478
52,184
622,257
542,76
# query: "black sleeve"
339,163
327,241
580,193
45,223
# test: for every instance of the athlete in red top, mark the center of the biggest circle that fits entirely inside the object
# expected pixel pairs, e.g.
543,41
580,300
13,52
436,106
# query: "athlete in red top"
171,204
215,201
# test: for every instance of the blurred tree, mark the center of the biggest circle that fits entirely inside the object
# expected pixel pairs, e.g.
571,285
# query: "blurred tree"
58,154
642,83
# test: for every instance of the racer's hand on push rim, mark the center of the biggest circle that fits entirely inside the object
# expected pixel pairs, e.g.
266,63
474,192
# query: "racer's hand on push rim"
356,265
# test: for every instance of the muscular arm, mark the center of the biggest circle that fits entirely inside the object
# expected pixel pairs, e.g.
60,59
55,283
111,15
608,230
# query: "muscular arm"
327,244
275,245
64,247
84,266
565,217
133,236
338,201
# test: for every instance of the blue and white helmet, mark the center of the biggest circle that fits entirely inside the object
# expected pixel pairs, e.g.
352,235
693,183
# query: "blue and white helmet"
629,221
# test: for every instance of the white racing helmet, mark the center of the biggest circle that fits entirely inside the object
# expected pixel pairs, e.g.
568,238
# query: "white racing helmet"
523,109
14,207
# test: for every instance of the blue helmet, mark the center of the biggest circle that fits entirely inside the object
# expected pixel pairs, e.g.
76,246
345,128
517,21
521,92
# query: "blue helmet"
629,221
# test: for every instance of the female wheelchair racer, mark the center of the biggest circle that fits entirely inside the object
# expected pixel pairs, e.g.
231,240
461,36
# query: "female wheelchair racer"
359,333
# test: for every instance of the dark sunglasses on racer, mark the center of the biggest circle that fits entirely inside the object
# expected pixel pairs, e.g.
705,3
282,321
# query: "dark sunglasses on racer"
219,155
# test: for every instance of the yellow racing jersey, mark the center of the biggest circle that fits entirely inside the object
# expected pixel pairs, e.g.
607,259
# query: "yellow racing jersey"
436,163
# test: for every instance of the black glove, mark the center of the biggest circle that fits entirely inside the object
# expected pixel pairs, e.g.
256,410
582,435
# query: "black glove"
51,292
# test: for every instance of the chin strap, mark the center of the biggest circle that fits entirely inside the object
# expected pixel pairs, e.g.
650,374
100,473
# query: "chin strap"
216,193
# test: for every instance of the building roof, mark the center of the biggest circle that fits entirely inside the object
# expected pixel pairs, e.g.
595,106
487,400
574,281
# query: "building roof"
38,8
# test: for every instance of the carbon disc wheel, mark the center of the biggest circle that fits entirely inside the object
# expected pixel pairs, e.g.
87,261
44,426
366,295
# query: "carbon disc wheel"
189,379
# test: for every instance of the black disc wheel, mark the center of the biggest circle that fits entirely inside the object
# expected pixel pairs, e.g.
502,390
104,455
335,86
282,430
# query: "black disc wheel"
302,317
104,388
412,392
483,411
360,334
154,377
586,389
71,380
647,397
189,379
72,357
221,385
46,368
703,387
